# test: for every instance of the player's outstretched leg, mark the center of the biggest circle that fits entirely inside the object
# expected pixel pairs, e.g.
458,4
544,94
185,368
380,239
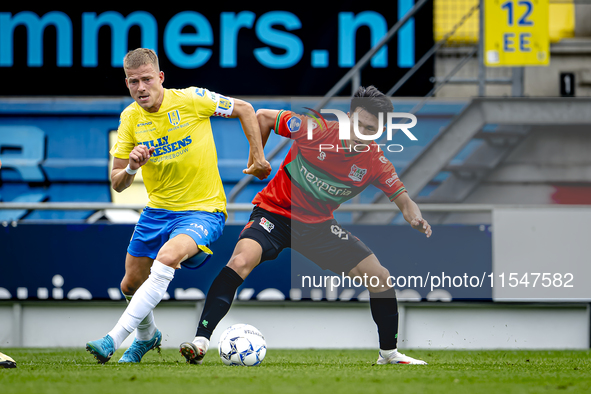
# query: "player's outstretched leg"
217,304
147,337
220,296
145,300
384,311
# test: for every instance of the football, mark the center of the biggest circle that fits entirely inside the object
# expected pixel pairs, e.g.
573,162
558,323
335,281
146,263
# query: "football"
242,344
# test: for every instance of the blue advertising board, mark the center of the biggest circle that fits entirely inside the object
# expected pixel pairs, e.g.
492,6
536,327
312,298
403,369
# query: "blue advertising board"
86,262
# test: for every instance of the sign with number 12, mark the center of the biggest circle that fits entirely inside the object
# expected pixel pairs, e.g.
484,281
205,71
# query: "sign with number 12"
516,33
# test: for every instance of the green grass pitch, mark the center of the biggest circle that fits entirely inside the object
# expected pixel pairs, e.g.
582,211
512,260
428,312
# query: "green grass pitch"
66,371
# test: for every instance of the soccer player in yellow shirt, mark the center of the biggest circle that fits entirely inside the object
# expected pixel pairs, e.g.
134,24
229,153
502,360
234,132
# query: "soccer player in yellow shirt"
168,133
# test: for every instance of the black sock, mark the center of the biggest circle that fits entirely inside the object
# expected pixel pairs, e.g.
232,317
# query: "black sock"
218,301
384,310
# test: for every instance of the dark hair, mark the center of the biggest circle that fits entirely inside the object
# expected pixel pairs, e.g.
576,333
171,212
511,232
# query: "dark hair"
372,100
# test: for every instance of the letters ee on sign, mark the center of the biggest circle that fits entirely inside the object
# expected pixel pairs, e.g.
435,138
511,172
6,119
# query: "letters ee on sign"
516,33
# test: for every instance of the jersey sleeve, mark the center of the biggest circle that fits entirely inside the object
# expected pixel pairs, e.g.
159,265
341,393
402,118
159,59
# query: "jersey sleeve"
291,125
125,141
208,103
387,180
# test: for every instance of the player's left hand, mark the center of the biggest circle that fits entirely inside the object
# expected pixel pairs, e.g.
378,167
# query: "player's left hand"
422,225
260,169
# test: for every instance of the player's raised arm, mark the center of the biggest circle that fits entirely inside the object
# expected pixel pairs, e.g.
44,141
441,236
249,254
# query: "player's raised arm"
257,165
412,214
267,119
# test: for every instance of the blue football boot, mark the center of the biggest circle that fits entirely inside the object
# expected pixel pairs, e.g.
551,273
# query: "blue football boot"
137,349
102,349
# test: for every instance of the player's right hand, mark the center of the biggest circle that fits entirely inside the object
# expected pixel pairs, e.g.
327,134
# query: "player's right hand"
140,156
259,169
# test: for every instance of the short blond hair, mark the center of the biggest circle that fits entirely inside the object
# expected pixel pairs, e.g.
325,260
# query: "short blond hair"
140,56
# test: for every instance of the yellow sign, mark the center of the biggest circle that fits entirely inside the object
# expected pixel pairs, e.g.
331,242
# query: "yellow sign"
516,33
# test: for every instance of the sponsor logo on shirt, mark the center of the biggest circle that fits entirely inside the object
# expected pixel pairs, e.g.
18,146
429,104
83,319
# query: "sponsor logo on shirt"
339,232
318,184
144,127
322,185
266,224
164,146
357,173
391,181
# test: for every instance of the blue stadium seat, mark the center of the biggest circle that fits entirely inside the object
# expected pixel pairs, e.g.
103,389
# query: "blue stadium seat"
22,149
72,192
77,148
17,214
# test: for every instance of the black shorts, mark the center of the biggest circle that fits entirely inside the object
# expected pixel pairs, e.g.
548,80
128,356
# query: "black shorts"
327,244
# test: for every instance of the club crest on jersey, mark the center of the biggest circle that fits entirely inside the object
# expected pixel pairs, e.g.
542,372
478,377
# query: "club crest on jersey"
357,173
294,123
266,224
174,117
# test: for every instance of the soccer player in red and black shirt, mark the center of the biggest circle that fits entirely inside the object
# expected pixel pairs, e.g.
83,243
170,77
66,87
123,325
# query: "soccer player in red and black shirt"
295,210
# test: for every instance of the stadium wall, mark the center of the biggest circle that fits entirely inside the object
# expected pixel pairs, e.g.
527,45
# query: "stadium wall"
318,325
551,165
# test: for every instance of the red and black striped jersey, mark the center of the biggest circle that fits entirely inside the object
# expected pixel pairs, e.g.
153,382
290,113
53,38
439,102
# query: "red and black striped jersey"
321,173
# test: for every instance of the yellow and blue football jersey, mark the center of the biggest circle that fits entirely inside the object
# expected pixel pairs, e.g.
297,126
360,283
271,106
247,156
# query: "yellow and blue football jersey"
182,173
